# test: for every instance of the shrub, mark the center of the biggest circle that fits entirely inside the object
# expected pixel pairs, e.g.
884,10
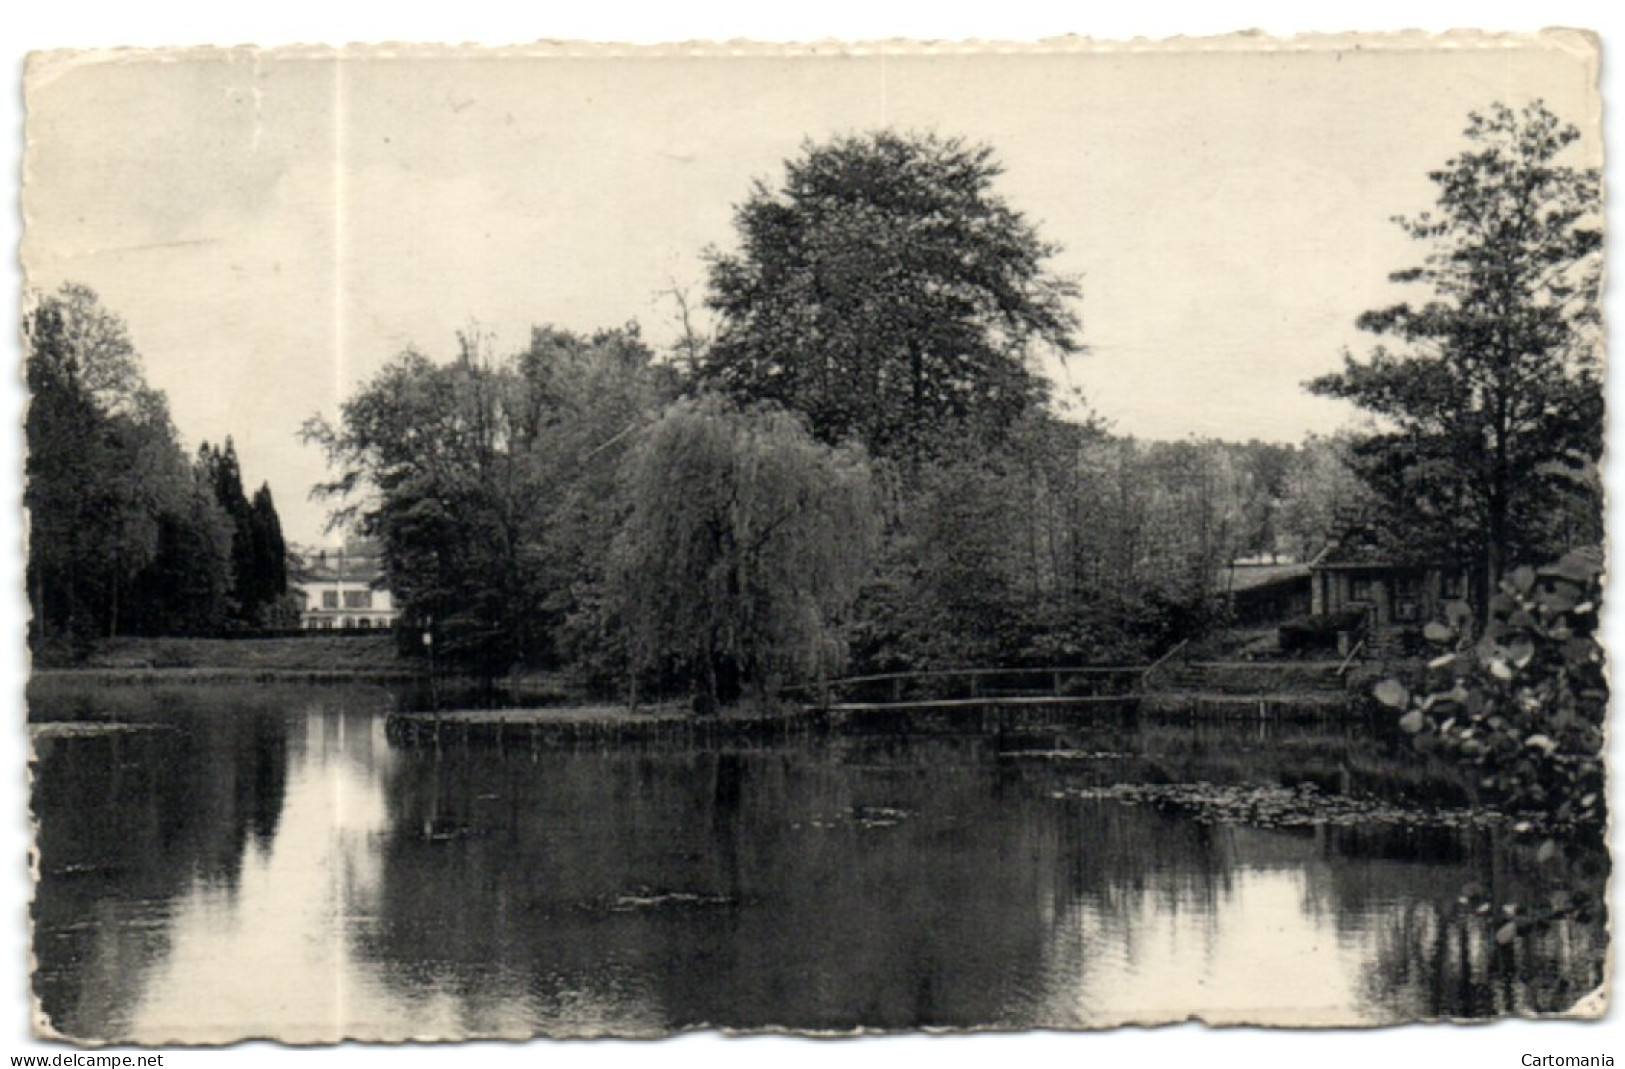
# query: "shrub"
1523,709
1306,634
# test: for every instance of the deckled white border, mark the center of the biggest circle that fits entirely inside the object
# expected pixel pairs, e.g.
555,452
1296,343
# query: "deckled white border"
1578,40
295,20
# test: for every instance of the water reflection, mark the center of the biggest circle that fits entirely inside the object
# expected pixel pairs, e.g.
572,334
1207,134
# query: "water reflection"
128,820
268,864
275,948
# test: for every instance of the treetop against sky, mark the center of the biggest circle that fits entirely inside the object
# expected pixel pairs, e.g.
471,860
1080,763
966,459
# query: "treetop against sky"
275,227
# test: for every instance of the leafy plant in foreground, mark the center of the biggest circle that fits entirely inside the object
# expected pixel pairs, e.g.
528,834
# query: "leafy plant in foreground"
1523,705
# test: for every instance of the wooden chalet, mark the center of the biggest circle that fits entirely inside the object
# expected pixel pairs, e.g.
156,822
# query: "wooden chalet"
1355,571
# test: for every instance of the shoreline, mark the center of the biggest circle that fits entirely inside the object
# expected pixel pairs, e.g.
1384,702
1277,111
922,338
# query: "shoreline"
595,723
114,677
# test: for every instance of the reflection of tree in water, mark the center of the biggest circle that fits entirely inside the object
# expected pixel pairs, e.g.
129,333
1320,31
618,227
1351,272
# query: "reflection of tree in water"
1338,758
1134,875
1438,957
1388,893
823,887
884,881
127,820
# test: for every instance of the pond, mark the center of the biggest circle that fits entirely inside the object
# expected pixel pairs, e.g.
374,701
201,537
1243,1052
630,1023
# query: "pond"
264,862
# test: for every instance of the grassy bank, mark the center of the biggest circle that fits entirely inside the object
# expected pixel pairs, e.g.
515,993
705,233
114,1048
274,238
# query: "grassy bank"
200,663
369,653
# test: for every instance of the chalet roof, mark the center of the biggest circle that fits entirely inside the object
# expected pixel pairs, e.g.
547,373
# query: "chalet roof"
1252,576
1357,555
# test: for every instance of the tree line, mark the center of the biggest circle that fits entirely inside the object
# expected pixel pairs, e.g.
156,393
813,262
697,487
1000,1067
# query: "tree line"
861,467
586,504
127,534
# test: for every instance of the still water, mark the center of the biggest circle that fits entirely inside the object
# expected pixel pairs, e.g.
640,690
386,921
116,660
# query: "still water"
265,863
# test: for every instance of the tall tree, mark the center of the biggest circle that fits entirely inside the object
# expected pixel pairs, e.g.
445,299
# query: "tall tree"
258,552
270,549
225,474
69,462
443,449
1492,402
187,589
887,293
111,499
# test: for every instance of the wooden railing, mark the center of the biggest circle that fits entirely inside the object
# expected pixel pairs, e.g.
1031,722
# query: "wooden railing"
1353,653
991,684
1064,683
1148,674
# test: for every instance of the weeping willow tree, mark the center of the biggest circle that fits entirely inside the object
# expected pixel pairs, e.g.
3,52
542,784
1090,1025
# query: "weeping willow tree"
743,552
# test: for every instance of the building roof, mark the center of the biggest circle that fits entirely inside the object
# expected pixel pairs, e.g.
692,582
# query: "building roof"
1251,576
1358,555
341,568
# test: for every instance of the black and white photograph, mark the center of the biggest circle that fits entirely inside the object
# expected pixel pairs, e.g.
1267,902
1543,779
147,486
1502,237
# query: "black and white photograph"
588,540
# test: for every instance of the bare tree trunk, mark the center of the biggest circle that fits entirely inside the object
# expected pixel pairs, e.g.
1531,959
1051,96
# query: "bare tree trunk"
39,605
1494,566
708,697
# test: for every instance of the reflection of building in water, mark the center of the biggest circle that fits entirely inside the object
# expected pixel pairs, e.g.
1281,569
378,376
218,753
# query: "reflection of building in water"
273,955
344,589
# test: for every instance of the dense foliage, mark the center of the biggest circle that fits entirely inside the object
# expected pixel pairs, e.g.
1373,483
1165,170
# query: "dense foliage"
489,483
859,463
888,294
1492,405
1319,633
857,466
1524,705
559,508
1525,701
125,535
1319,489
1064,545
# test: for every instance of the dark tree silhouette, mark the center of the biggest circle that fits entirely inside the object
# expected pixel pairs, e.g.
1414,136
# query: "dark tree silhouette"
1493,401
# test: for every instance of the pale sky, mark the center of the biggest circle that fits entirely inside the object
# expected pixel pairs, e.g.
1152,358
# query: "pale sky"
274,227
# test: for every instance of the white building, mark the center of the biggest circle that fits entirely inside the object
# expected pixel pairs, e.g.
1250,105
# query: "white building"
344,591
